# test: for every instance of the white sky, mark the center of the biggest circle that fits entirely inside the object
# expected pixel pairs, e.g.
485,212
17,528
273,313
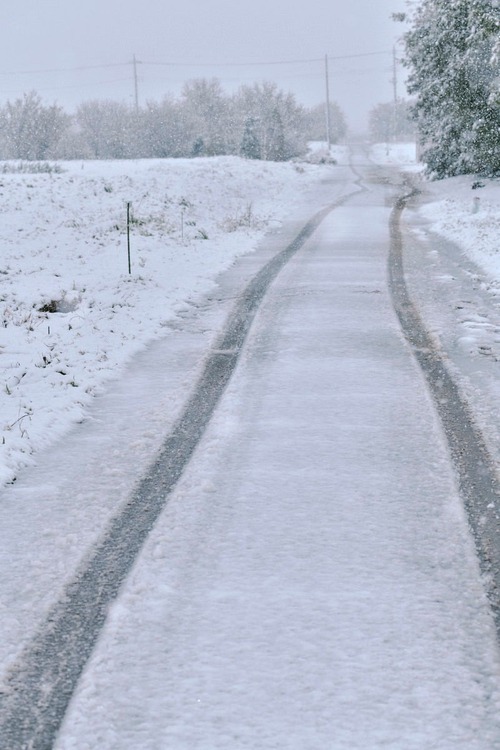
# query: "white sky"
214,38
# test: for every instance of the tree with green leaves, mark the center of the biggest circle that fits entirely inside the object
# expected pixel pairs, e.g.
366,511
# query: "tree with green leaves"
454,72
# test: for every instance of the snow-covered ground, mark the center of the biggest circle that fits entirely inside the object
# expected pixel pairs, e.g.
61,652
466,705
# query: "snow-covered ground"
64,248
466,210
313,568
71,314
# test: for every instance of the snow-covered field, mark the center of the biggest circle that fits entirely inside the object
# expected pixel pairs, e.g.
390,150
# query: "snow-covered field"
71,314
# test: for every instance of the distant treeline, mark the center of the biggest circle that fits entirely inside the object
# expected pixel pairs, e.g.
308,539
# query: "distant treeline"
390,121
258,122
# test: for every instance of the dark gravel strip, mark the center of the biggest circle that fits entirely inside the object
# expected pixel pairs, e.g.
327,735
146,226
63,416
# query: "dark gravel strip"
476,471
35,698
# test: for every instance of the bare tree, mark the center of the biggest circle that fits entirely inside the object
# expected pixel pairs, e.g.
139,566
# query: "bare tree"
392,120
315,123
105,128
158,131
204,110
278,121
29,130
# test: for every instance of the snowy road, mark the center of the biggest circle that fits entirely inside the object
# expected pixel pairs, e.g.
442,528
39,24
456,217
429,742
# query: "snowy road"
474,461
312,582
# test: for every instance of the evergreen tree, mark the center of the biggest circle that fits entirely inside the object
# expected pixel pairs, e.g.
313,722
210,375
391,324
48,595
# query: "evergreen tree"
453,70
198,147
275,142
250,144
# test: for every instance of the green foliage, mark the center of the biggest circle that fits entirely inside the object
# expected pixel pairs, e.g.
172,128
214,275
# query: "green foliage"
250,143
451,54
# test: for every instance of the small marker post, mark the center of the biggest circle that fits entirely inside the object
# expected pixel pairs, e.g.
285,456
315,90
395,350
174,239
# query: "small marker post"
128,237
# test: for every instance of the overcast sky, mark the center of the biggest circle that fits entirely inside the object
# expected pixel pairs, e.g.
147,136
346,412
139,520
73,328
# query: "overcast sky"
44,42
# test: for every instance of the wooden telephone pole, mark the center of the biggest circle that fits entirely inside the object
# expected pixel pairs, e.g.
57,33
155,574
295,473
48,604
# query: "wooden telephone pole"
136,84
328,123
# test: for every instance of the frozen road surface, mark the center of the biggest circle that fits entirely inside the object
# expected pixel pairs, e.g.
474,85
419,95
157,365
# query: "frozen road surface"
312,583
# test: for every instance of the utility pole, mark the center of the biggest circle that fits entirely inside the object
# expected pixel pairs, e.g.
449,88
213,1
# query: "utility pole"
395,75
328,123
395,92
136,84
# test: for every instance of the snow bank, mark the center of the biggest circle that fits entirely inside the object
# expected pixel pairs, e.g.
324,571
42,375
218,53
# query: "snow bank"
320,153
71,314
465,209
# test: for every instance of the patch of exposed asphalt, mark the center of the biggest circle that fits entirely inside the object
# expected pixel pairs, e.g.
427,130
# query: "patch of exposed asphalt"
476,472
38,688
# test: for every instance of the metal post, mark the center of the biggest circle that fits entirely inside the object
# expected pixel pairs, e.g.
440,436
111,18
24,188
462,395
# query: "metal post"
128,237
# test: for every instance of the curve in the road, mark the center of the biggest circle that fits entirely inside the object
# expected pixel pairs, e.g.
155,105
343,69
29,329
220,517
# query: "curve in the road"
476,473
40,686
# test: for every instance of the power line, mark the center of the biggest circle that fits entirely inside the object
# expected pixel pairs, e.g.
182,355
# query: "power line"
134,62
72,87
60,70
193,65
267,63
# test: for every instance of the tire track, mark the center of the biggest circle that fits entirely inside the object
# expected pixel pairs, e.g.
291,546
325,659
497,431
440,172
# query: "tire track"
39,687
476,471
